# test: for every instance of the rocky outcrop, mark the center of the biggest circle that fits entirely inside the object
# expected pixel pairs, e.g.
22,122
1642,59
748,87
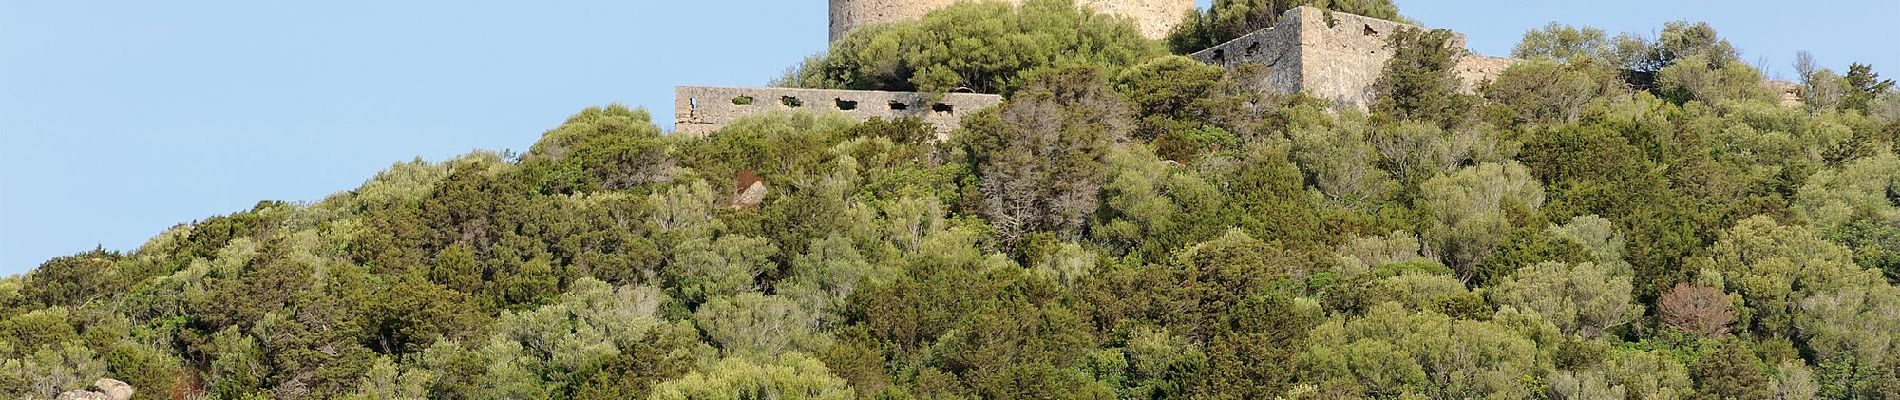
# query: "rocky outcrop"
82,395
1788,92
103,389
750,191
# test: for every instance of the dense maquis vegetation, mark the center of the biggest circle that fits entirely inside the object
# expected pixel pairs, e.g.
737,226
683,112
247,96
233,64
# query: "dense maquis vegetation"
1614,218
984,47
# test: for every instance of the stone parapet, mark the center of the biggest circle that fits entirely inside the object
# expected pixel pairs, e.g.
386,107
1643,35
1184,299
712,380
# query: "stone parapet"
700,110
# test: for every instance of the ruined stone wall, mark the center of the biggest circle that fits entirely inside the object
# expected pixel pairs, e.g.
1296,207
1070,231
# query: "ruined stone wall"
1276,49
1332,55
1788,92
1153,17
701,110
1476,70
1346,53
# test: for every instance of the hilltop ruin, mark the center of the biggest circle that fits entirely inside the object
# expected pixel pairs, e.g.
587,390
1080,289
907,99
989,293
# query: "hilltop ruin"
1330,55
1333,55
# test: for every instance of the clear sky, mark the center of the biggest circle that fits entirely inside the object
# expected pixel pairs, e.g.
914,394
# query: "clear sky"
119,119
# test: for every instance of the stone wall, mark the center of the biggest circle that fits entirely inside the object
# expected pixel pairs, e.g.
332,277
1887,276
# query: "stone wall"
1333,55
1153,17
701,110
1346,55
1277,49
1476,70
1788,92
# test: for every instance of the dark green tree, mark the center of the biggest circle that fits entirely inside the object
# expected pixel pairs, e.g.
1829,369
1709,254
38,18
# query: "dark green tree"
1865,85
72,280
1731,371
610,148
1254,347
1171,94
1419,83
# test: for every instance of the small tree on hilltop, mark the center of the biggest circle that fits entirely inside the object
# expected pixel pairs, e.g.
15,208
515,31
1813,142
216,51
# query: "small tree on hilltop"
1865,85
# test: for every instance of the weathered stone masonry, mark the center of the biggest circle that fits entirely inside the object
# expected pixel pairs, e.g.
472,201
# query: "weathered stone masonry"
1153,17
1333,55
701,110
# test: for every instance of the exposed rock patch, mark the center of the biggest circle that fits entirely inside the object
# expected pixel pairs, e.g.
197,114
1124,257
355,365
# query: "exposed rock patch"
750,191
103,389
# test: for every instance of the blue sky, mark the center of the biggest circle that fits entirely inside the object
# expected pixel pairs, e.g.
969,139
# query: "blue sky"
119,119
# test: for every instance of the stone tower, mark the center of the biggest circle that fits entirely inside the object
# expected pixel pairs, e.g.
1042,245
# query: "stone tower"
1153,17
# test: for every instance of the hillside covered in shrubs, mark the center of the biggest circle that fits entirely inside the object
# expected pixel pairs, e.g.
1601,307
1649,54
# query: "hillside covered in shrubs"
1616,217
